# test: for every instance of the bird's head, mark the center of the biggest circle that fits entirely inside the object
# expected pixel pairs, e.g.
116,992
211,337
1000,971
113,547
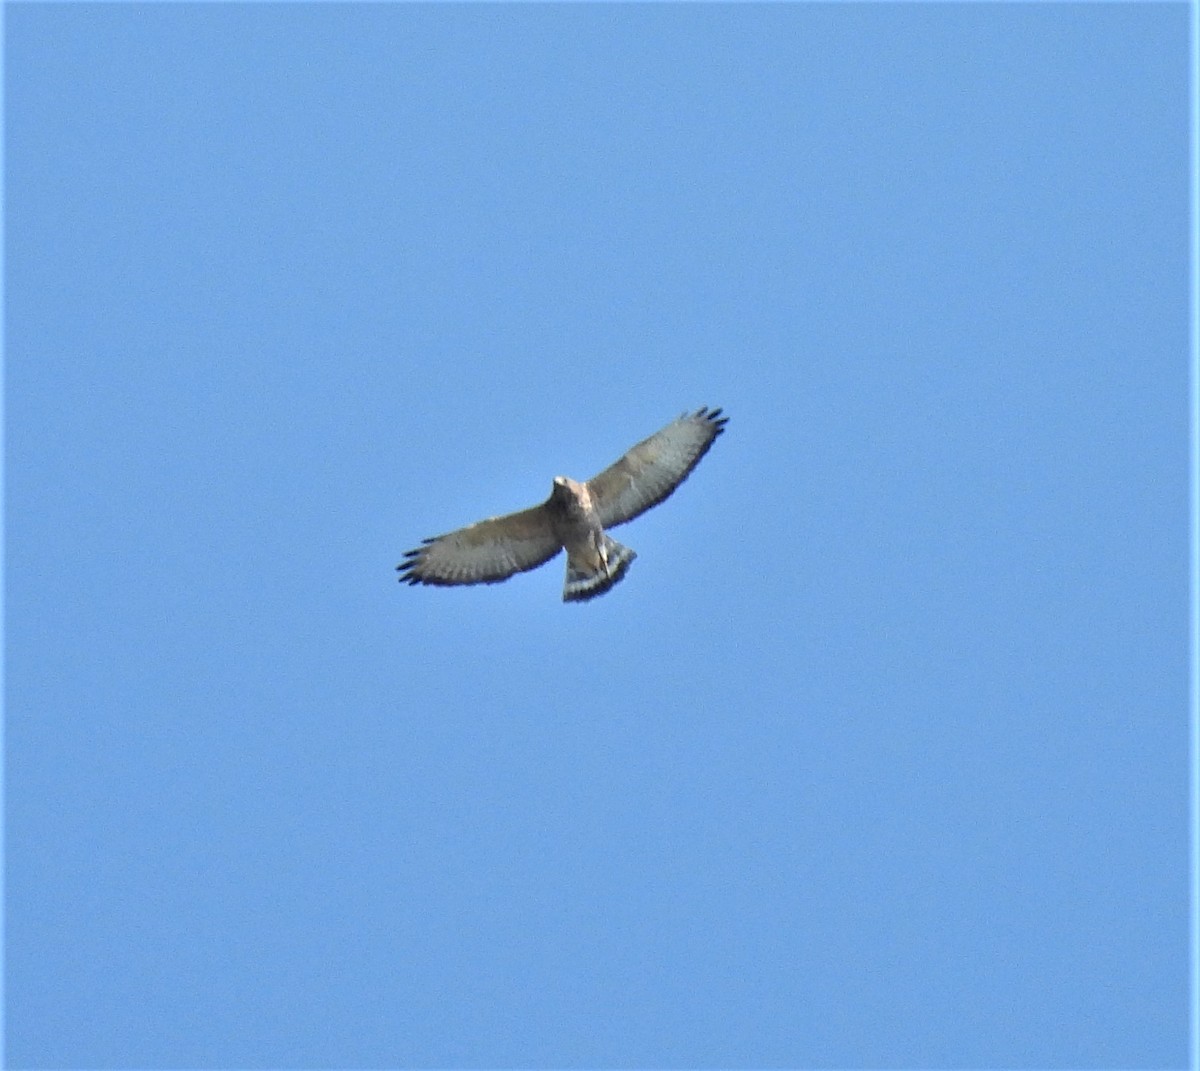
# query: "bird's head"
565,489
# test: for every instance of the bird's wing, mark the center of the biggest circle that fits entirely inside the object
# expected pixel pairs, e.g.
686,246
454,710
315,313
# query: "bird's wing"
649,472
483,553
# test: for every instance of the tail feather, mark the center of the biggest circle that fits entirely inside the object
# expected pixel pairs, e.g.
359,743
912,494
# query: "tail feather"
588,578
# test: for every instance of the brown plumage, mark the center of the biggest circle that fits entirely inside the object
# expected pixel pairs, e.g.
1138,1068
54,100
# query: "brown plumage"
574,517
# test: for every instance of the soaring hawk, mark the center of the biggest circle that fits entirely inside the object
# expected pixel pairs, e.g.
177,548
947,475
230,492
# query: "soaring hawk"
574,516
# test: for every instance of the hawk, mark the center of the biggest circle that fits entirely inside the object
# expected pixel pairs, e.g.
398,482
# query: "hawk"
574,517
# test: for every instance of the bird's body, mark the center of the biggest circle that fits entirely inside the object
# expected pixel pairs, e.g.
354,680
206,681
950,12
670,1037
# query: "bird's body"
595,561
573,518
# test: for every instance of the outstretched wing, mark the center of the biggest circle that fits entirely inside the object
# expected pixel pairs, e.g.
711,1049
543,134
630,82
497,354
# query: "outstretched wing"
655,467
483,553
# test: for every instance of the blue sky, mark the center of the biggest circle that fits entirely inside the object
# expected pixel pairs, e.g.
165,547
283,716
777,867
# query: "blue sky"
877,757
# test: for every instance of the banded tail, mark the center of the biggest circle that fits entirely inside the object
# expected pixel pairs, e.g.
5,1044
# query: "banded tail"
591,571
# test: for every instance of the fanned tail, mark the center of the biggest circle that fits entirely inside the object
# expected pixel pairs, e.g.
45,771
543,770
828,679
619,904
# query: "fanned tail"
593,574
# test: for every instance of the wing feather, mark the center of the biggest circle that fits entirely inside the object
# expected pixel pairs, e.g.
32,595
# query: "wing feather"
483,553
651,471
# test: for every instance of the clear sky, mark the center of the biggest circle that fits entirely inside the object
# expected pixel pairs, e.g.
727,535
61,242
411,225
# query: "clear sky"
878,756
